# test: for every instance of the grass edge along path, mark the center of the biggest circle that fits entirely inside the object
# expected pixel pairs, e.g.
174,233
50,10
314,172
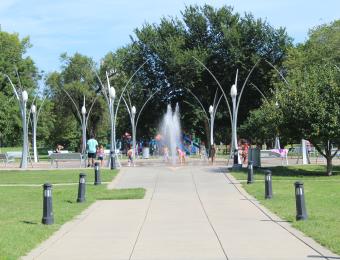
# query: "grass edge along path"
322,195
21,207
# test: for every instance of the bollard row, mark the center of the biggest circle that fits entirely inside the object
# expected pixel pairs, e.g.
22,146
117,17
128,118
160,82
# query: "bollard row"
48,218
301,212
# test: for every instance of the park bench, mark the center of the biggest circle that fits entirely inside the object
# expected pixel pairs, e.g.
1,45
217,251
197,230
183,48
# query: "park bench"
4,158
276,153
11,156
57,157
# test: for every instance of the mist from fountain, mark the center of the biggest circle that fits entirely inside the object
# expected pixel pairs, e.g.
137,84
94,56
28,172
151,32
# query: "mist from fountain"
170,131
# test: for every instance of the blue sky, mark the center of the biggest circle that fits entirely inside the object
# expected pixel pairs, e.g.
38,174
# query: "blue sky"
95,27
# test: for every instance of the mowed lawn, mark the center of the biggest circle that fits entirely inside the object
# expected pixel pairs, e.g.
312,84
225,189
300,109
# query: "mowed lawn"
21,207
322,196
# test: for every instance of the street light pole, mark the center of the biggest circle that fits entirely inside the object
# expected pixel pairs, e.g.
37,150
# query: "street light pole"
112,95
133,114
34,114
24,98
212,119
234,145
83,127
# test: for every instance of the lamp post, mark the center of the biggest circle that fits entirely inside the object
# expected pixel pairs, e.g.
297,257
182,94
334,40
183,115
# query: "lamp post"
34,114
233,94
133,114
233,116
212,111
112,95
212,119
83,127
23,101
83,118
35,118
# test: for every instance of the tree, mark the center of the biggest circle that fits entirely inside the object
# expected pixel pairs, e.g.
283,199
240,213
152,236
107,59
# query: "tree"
78,79
13,63
223,41
309,104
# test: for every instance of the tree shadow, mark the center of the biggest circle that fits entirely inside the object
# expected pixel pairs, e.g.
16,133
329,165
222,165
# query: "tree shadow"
221,169
303,171
28,222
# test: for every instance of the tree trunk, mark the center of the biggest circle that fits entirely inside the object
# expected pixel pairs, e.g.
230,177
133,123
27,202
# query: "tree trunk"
329,165
327,154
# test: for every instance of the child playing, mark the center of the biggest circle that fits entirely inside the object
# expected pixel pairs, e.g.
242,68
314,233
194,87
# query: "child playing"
165,153
181,155
130,156
101,154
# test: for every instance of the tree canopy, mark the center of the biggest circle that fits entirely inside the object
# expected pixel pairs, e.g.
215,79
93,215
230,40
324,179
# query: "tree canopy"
309,102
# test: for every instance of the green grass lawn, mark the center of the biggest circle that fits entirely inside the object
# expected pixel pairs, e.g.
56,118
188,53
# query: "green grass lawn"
322,195
21,207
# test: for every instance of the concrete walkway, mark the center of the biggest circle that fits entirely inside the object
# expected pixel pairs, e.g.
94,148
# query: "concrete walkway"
188,213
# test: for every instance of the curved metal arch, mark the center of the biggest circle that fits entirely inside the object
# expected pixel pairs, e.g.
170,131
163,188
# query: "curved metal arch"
126,85
88,113
140,111
218,102
197,99
218,83
284,79
244,84
73,104
259,91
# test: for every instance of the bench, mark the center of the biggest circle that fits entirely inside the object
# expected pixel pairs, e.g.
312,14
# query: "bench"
57,157
4,158
62,151
276,153
118,153
11,156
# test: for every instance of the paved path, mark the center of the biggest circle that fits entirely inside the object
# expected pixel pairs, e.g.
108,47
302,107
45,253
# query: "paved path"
188,213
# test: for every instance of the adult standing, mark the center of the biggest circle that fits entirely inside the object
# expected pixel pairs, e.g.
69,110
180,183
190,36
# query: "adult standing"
92,145
212,153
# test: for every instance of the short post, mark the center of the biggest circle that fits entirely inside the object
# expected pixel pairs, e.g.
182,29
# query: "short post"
81,188
112,160
235,157
250,172
268,185
97,179
301,213
47,218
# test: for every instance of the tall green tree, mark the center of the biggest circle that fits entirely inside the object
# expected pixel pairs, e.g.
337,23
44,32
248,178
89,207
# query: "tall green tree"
14,62
309,103
78,79
224,41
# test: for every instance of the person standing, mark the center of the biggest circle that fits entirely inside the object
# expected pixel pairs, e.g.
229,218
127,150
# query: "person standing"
130,156
92,145
101,154
203,151
212,153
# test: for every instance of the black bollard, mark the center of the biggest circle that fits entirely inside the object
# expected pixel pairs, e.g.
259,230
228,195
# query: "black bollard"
97,179
81,188
301,213
250,172
112,160
268,185
235,157
47,218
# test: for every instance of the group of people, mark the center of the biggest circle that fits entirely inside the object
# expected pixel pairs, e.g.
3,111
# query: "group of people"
181,153
94,150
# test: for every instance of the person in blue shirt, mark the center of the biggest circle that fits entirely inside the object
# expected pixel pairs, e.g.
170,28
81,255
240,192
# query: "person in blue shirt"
92,145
